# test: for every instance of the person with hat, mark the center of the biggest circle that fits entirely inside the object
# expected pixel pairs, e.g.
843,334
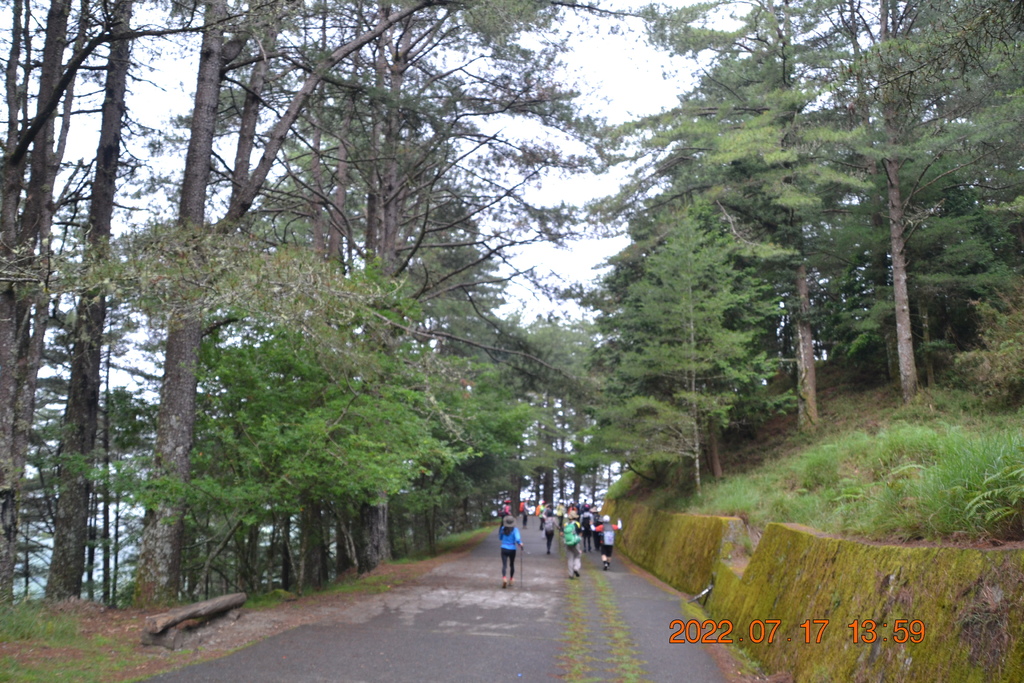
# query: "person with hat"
510,540
607,531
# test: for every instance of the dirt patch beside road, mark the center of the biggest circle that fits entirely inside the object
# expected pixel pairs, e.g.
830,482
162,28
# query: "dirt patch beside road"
108,647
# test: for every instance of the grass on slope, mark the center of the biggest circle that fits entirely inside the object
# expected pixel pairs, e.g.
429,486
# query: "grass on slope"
944,467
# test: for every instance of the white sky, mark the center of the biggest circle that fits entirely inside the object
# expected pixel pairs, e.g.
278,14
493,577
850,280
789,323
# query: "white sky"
620,77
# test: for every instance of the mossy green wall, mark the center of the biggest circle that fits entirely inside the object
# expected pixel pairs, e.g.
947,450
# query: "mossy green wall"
681,550
971,602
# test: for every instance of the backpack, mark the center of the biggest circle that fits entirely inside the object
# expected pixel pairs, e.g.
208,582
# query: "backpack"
609,535
585,521
571,537
549,524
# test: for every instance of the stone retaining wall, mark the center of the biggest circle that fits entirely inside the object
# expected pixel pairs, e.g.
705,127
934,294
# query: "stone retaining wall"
969,603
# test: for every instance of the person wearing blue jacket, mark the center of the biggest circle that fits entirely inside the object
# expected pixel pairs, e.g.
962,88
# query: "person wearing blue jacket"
510,540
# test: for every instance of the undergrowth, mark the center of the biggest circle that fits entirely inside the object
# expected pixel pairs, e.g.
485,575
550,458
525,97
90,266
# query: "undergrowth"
945,467
30,621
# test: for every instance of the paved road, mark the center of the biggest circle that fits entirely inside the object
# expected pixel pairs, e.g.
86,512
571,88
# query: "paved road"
457,624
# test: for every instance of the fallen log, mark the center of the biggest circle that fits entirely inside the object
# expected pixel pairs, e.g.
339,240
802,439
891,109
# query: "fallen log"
161,622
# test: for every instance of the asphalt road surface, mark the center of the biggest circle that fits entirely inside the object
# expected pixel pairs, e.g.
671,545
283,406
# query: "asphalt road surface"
458,624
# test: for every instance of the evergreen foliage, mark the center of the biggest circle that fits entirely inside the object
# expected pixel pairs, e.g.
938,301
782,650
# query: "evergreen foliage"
306,364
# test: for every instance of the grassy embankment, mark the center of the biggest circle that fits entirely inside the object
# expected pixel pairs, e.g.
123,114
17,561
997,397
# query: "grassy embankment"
946,467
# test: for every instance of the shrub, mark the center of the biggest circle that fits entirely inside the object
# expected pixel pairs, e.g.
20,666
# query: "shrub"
998,367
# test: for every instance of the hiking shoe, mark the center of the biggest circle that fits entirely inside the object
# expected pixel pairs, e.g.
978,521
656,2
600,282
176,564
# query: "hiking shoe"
606,566
575,572
510,582
504,581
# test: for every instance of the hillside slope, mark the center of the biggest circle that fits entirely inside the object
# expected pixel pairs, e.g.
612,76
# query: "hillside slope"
945,468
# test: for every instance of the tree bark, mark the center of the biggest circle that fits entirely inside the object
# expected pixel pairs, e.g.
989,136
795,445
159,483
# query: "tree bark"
159,572
24,242
345,553
286,553
373,546
926,338
901,296
312,551
713,454
891,25
807,389
161,622
82,412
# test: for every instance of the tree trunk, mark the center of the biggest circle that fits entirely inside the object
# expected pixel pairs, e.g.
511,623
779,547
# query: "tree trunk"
313,550
713,455
345,553
373,547
81,421
286,553
807,390
162,622
159,579
926,338
24,242
250,117
901,297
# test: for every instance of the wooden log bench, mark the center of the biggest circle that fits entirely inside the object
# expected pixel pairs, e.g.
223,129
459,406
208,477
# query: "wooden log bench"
159,628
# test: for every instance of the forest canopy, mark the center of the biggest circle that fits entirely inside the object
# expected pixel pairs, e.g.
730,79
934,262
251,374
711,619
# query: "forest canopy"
273,339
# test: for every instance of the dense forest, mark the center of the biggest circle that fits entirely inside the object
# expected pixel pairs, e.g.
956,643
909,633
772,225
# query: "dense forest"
269,341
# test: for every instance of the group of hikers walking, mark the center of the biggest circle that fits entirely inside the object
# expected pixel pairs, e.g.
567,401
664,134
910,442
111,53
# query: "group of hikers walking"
582,532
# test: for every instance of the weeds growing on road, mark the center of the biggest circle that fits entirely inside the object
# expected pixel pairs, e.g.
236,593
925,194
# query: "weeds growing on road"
622,652
577,658
590,601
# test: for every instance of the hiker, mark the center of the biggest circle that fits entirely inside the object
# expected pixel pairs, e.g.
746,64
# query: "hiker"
524,510
560,514
510,540
549,527
587,526
607,531
571,536
506,509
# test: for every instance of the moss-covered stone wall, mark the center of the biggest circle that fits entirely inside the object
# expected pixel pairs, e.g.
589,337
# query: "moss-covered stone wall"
969,603
681,550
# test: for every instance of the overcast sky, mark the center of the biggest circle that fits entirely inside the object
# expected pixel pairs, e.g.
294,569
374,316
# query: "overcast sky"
622,78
